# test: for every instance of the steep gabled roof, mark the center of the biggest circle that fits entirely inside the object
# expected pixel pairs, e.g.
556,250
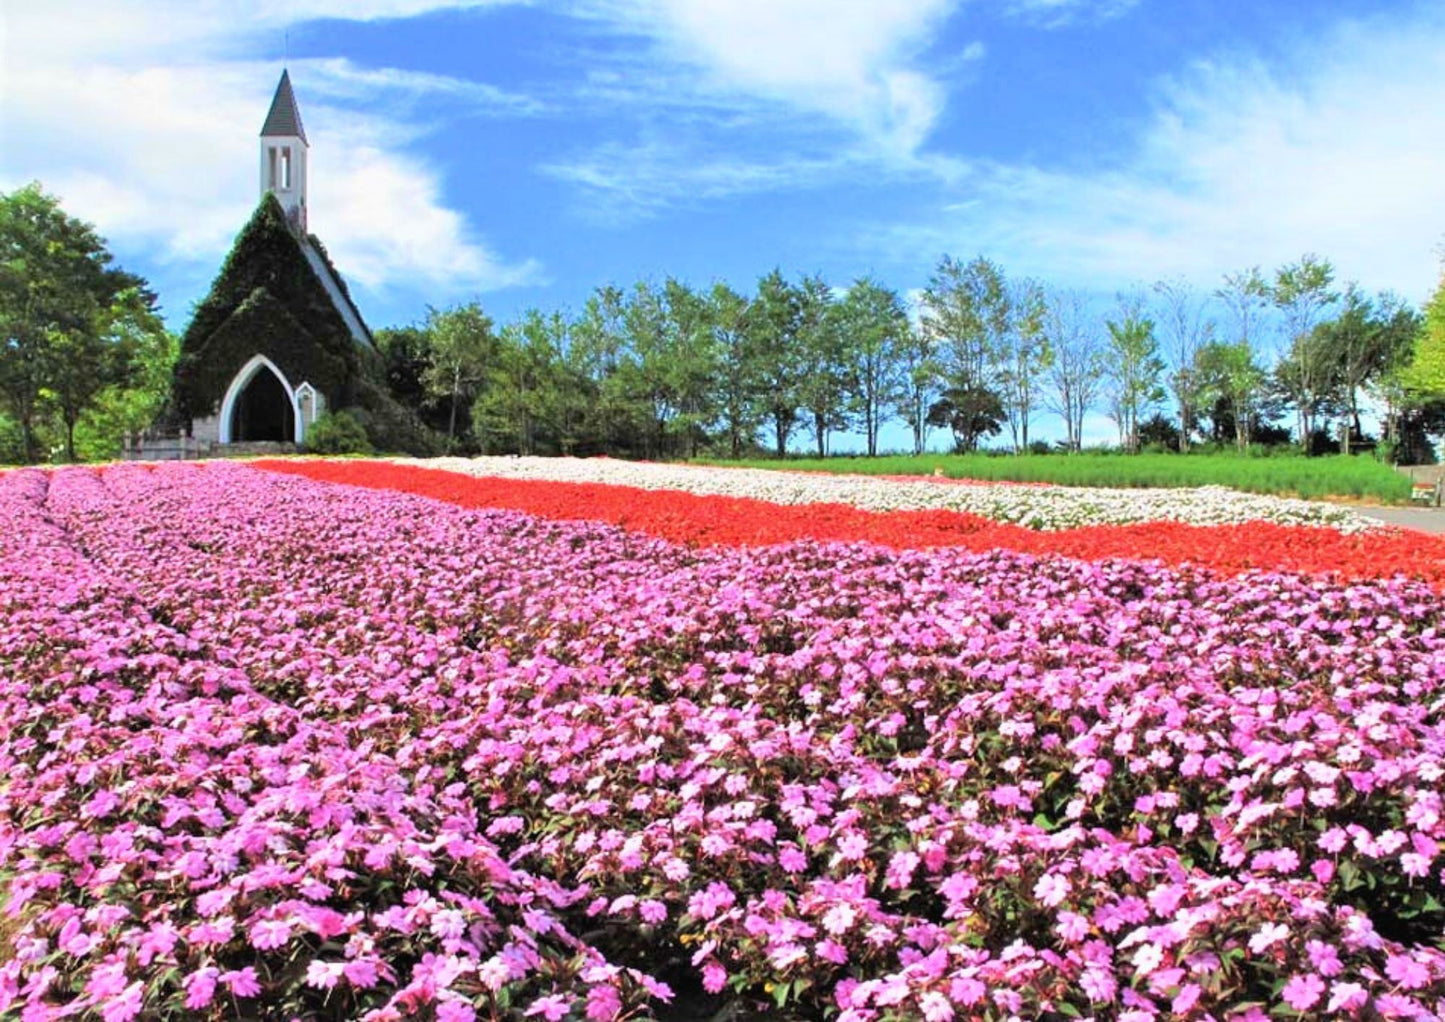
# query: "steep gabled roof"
284,118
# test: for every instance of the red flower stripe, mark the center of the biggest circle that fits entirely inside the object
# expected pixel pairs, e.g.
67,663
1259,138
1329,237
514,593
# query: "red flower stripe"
733,521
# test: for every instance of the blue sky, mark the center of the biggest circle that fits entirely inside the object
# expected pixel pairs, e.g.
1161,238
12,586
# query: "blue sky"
523,153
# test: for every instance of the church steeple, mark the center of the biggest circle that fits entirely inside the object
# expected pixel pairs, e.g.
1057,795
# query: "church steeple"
283,154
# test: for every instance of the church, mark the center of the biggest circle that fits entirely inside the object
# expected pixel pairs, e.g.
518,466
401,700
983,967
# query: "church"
278,341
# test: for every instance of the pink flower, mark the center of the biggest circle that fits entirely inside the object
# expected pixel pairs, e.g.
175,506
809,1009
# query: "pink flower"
1407,972
270,934
200,987
714,977
852,846
935,1007
603,1003
1051,889
323,975
1302,991
242,982
1267,936
553,1008
455,1011
124,1006
361,973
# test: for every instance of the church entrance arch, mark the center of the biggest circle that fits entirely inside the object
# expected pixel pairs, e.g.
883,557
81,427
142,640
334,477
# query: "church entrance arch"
260,404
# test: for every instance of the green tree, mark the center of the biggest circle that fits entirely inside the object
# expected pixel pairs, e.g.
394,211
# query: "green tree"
1135,368
140,388
968,310
463,346
737,385
1246,295
1228,380
1361,345
972,413
823,381
1423,377
1026,355
775,319
520,410
874,326
1301,291
58,299
1185,329
602,361
920,372
1076,367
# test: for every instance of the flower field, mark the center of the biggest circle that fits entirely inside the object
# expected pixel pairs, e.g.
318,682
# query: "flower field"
275,747
1036,506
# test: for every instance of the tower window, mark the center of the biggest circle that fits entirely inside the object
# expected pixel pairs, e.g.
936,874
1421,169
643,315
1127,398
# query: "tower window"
271,167
285,168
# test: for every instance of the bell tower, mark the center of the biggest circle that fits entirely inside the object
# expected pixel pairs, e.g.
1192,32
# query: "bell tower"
283,154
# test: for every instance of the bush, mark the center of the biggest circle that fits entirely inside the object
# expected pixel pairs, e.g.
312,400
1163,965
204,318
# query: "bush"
337,433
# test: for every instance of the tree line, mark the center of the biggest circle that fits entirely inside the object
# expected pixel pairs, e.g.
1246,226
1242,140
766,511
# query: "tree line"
667,370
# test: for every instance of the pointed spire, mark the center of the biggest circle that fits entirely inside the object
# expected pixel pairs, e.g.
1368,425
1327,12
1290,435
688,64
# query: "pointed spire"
284,118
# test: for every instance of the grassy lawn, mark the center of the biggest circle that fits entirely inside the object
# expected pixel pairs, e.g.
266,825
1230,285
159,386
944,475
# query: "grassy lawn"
1355,477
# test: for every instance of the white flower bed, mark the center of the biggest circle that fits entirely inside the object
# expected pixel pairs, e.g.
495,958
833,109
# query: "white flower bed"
1037,507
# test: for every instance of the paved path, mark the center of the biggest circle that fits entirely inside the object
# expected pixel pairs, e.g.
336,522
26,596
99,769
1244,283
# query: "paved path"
1426,519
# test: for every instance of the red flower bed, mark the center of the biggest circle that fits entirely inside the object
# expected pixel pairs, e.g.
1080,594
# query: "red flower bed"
734,521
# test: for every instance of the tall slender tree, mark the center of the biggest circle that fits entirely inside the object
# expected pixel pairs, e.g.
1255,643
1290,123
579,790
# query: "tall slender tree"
774,321
1027,354
874,324
1185,328
823,380
1302,291
1135,367
463,346
1076,371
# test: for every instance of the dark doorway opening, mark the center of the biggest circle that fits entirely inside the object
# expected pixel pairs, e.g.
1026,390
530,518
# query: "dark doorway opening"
263,411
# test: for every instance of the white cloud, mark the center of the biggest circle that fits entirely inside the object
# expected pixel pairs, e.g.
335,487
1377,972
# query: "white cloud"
1334,150
853,61
143,119
734,97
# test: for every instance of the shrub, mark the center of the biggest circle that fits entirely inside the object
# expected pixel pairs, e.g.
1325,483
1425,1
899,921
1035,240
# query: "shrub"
337,433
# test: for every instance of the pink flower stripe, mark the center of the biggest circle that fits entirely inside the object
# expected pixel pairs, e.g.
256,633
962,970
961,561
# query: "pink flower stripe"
274,747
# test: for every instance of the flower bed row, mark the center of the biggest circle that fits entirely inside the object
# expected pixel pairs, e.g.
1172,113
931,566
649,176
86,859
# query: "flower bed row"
277,748
708,520
1033,506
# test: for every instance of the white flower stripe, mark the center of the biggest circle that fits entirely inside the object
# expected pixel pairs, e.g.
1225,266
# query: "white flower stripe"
1046,508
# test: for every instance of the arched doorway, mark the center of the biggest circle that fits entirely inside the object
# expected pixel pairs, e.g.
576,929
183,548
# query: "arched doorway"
259,405
263,411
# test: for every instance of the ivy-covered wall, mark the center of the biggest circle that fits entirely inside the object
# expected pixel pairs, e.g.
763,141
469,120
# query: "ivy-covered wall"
260,325
266,300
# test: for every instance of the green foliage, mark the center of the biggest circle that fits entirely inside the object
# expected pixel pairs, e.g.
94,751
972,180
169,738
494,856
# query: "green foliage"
60,305
337,433
1423,377
1289,474
462,347
1135,368
972,413
266,300
875,330
391,427
131,406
